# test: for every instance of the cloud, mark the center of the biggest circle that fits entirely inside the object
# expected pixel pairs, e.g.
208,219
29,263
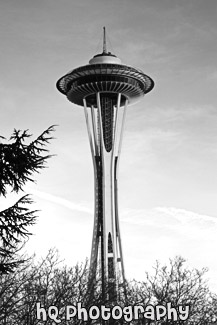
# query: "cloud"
60,201
176,222
168,216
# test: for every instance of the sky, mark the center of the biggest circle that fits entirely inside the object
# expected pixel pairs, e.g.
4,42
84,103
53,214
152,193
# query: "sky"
168,165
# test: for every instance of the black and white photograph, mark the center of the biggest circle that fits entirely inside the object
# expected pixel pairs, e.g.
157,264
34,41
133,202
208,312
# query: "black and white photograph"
108,162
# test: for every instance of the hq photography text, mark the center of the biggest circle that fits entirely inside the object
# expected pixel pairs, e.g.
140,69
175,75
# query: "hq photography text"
128,313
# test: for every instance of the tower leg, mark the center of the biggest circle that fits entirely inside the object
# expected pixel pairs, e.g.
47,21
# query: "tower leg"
105,130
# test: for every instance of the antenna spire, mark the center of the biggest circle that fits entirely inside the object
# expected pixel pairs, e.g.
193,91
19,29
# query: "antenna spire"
104,41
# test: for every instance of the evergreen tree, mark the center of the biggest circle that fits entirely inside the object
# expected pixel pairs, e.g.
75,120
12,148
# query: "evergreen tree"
18,163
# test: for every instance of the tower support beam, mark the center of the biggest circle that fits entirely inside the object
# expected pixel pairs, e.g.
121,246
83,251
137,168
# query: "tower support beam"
105,137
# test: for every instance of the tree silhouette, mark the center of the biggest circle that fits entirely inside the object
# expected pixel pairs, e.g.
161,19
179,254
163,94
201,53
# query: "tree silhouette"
18,162
180,285
52,283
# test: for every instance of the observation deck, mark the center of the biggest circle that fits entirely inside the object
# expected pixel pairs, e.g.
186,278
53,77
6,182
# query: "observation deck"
104,74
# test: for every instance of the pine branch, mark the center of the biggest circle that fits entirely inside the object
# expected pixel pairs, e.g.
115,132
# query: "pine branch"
18,161
13,224
8,267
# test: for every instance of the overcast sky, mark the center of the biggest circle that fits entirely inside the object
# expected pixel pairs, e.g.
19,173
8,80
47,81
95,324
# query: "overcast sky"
168,166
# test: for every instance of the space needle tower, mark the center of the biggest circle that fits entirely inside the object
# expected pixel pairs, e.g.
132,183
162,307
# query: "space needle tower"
105,87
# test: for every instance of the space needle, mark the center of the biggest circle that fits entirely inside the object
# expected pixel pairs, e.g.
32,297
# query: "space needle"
105,87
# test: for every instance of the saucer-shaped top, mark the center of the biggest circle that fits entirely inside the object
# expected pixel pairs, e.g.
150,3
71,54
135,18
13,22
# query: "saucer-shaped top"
104,74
